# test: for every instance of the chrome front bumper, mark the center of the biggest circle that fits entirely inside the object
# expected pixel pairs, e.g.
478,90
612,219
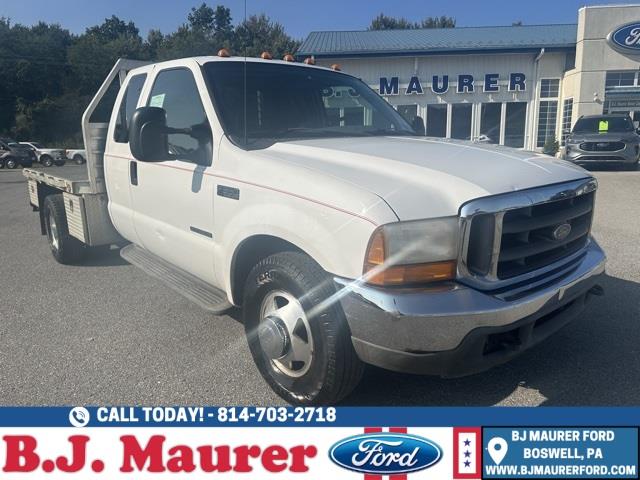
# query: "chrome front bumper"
455,330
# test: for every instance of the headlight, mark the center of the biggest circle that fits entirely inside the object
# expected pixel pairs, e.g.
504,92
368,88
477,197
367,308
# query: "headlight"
408,253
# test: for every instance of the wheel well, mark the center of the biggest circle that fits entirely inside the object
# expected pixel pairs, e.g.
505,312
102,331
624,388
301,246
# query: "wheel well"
43,192
248,254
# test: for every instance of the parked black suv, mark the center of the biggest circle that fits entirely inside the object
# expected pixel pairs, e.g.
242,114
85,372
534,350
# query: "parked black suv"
13,154
604,139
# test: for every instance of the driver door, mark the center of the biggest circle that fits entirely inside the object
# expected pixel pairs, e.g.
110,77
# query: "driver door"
173,200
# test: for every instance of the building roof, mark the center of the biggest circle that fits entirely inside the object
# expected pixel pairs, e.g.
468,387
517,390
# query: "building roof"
438,40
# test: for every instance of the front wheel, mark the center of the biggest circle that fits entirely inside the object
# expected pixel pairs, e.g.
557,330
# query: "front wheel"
46,160
11,163
297,333
78,159
65,248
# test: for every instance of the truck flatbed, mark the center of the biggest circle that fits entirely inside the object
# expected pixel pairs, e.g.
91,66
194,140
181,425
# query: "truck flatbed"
74,181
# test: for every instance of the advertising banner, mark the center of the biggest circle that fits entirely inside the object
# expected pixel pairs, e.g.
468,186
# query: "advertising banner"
297,442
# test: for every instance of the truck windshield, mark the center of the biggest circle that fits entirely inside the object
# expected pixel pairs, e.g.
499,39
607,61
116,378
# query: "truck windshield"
603,125
286,102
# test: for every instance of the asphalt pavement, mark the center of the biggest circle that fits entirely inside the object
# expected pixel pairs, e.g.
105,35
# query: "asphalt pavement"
106,333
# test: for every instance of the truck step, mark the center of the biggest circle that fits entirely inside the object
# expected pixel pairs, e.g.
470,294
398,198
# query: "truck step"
194,289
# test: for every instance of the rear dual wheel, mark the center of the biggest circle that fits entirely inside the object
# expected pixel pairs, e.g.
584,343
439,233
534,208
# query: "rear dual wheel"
297,332
65,248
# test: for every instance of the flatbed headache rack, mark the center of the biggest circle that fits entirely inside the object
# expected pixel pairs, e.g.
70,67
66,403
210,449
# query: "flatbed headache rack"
84,191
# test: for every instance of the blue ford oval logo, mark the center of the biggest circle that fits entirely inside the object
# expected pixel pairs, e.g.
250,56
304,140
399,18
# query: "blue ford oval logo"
385,453
626,38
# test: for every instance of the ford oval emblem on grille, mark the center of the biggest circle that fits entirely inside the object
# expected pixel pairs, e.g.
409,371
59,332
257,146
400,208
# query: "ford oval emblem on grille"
561,232
385,453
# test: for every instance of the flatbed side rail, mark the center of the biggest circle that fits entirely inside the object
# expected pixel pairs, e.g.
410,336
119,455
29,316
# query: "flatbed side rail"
68,185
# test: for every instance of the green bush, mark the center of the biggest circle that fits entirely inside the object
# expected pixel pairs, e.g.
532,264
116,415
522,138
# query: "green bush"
551,146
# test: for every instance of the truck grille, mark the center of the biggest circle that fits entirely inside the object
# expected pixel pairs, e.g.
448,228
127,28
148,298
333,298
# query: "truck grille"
522,235
601,146
533,237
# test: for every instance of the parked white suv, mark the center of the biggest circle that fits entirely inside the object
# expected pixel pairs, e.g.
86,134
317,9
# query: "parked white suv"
345,237
47,156
79,156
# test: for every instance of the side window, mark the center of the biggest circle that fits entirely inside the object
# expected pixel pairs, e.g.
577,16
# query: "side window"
127,107
176,91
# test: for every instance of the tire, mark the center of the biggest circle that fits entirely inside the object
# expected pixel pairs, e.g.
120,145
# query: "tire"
11,163
46,160
65,248
78,159
59,163
333,369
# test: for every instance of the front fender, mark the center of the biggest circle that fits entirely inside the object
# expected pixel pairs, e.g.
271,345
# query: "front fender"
336,241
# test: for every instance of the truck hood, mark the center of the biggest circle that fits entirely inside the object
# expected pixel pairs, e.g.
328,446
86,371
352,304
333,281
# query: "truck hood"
422,177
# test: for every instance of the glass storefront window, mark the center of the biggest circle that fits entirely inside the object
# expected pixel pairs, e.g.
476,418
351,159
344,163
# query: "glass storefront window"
549,87
514,125
547,118
490,116
437,120
620,79
461,121
354,116
567,112
408,112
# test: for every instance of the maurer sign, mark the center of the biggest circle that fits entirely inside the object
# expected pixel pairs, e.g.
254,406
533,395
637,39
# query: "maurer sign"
464,83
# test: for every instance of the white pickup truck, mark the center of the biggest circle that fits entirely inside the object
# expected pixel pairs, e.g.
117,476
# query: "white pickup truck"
297,193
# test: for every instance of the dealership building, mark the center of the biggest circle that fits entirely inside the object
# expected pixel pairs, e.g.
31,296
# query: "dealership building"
514,85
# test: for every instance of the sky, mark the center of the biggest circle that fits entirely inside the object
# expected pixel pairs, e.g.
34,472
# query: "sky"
299,17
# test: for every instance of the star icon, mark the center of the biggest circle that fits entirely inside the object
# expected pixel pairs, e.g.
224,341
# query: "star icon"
467,453
467,442
467,463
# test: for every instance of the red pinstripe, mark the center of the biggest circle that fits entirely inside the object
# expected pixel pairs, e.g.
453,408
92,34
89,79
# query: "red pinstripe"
266,187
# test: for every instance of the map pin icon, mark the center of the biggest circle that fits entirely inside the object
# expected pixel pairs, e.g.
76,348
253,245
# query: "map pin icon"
498,449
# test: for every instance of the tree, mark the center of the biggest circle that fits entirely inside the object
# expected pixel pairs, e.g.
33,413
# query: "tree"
48,75
258,33
202,18
113,28
384,22
438,22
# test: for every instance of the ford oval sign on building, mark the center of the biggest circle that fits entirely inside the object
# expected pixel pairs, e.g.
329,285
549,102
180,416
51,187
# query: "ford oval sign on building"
626,39
385,453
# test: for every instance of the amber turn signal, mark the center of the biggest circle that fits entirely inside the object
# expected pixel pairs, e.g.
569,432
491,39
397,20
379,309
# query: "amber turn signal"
376,273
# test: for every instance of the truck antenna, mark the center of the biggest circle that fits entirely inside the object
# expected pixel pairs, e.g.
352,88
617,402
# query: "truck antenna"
245,78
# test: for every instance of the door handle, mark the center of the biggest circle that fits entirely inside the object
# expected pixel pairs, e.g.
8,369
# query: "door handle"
133,172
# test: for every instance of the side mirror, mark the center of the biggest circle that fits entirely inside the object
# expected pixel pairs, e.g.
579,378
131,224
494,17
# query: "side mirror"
148,136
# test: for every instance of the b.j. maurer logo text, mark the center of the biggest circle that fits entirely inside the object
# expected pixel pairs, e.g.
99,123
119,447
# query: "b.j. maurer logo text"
385,453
